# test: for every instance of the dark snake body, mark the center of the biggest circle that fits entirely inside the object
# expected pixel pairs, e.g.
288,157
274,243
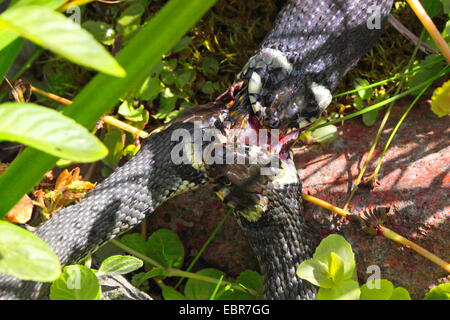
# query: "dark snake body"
321,41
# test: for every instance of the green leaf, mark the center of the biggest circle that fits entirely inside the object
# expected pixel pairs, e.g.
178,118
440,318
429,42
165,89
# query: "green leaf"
432,7
400,293
315,272
129,21
383,292
119,265
336,268
369,118
170,293
182,44
440,101
165,247
76,283
101,31
325,134
251,280
113,140
348,290
428,68
209,87
135,241
201,290
446,6
441,292
168,103
168,77
361,84
139,57
48,130
358,103
25,256
158,273
9,54
130,113
150,89
210,67
337,244
183,77
52,30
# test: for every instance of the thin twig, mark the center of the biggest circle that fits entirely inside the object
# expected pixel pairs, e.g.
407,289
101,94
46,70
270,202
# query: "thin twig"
411,36
387,233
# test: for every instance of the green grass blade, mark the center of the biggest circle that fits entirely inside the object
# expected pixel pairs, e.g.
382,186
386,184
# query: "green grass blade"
101,94
49,131
9,54
52,30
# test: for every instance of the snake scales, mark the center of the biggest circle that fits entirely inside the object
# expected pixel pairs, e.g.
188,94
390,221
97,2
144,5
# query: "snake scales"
285,86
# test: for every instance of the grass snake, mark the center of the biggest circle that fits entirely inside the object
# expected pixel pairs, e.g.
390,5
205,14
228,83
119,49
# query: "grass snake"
285,85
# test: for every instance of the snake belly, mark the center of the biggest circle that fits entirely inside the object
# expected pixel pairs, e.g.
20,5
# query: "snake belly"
288,83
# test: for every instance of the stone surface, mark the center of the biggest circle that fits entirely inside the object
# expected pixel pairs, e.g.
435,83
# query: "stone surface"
414,182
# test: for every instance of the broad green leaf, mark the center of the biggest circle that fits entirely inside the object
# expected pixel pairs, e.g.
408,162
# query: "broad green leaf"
251,280
348,290
52,30
129,21
210,87
441,292
432,7
440,101
315,272
119,265
183,77
168,77
113,140
165,247
131,113
337,244
382,290
135,241
168,103
325,134
369,118
182,44
50,131
25,256
428,68
101,31
201,290
76,283
336,268
169,293
361,84
158,273
210,67
400,293
150,89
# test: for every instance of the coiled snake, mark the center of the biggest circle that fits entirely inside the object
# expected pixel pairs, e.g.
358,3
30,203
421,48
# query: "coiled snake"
284,86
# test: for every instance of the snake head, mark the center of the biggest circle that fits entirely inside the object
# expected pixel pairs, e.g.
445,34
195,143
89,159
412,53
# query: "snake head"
280,96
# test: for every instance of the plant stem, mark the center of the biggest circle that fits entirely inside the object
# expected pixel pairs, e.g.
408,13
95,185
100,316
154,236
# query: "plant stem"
387,233
382,103
213,234
173,272
383,123
391,137
431,28
125,126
